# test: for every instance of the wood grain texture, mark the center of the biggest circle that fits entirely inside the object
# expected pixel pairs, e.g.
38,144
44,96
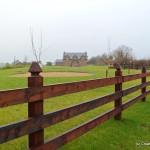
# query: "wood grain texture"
72,134
35,108
143,80
134,100
118,88
24,95
37,120
31,125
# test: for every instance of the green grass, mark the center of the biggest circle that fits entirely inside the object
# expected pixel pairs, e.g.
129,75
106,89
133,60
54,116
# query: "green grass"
113,135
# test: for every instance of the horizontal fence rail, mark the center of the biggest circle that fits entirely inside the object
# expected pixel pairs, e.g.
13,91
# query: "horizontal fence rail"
76,132
19,96
35,94
134,100
82,129
34,124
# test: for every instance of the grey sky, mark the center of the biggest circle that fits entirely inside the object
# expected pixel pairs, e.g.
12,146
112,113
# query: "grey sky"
73,25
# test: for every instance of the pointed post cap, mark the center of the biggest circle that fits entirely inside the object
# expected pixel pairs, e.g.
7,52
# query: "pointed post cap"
143,69
35,68
117,66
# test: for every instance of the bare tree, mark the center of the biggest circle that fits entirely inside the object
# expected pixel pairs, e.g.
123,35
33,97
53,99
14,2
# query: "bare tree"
107,58
123,55
37,52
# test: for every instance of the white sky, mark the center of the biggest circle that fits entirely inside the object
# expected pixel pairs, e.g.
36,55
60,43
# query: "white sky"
73,25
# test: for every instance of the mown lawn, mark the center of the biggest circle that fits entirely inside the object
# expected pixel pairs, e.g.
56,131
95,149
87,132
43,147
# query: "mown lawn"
112,135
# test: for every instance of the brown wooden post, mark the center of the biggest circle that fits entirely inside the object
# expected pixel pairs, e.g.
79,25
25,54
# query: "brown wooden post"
106,73
118,87
143,90
35,108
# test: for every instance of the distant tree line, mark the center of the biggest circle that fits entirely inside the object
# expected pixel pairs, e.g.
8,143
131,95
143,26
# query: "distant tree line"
123,55
19,64
16,63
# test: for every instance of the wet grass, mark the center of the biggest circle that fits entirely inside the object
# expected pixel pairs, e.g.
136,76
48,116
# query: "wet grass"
115,135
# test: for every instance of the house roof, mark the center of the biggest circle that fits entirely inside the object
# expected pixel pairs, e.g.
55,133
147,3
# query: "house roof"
78,55
59,60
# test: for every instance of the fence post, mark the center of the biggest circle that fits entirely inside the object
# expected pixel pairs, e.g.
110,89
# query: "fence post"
35,108
118,87
143,90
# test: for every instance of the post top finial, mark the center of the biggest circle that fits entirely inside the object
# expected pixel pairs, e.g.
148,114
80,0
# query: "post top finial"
143,68
35,68
117,66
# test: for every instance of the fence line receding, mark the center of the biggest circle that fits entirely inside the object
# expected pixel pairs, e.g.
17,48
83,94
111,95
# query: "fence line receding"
36,93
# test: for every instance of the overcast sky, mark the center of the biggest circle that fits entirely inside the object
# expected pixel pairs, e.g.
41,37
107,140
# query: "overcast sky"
73,26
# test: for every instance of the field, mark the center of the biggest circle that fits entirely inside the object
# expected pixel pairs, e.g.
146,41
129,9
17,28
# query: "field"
134,128
56,74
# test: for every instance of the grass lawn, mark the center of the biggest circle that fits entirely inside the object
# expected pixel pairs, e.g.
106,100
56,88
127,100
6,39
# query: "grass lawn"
112,135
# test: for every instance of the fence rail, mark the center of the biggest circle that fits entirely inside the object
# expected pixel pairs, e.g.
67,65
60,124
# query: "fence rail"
35,94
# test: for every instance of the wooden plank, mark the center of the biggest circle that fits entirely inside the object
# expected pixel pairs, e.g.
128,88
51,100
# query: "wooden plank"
72,134
68,88
68,136
31,125
143,80
73,87
131,102
19,96
13,97
118,88
147,74
135,88
35,108
134,100
134,76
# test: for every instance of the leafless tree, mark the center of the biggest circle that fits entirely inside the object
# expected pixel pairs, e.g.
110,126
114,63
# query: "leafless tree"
123,55
37,52
107,58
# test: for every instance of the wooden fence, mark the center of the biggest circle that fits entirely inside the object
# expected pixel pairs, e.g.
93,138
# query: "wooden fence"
35,94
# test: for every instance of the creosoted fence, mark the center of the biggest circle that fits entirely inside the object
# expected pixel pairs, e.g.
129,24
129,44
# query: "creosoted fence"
36,92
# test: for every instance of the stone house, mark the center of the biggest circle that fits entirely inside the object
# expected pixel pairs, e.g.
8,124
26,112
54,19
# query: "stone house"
73,59
59,62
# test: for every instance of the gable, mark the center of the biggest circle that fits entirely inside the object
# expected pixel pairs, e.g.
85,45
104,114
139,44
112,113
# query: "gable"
75,55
